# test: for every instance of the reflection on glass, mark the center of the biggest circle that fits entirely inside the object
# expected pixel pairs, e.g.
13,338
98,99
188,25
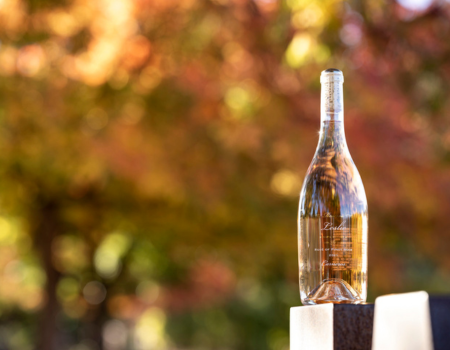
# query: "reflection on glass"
333,213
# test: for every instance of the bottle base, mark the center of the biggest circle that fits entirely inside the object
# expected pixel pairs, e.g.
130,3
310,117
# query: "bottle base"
333,290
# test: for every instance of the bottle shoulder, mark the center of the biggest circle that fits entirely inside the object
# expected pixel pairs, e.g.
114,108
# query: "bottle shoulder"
333,183
334,167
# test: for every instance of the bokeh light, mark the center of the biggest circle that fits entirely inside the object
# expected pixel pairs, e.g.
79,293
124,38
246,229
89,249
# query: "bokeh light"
416,5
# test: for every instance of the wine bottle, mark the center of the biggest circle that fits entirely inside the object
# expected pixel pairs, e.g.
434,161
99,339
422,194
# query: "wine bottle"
333,214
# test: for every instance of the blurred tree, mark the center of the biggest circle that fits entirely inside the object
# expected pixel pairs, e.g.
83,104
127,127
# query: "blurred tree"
152,152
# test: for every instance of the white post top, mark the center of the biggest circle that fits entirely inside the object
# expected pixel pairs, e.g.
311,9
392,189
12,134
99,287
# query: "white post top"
311,327
402,322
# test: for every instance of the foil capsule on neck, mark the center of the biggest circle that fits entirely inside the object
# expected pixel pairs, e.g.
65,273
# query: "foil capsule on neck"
332,95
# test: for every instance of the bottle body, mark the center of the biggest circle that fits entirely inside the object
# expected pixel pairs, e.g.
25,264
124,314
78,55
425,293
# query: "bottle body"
333,217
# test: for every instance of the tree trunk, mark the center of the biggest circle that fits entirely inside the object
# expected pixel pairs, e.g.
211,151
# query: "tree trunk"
46,228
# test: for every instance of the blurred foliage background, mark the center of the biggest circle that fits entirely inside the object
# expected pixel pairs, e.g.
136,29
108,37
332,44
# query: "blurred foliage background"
152,153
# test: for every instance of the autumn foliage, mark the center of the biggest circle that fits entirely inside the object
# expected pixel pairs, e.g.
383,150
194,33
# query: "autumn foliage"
152,153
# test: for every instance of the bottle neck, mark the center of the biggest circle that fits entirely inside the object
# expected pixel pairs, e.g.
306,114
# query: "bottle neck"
332,137
332,116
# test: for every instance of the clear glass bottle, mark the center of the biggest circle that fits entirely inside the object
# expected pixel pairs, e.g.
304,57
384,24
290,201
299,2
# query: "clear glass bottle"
333,216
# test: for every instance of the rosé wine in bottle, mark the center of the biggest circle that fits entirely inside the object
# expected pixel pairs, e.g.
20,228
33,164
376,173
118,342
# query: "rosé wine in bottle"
333,215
